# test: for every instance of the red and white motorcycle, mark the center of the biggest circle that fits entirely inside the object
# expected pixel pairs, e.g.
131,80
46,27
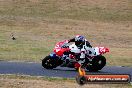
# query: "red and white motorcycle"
94,60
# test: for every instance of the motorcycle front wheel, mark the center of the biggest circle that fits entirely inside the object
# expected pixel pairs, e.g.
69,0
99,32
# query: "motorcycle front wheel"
48,63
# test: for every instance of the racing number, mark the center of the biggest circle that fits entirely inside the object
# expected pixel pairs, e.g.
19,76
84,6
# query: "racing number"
101,49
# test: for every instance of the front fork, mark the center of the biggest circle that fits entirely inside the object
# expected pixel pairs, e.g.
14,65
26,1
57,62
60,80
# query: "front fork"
56,57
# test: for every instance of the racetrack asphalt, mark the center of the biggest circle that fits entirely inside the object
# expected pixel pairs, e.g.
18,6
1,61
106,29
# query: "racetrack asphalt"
36,69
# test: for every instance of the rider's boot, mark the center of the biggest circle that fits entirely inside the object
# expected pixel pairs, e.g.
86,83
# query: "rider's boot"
79,63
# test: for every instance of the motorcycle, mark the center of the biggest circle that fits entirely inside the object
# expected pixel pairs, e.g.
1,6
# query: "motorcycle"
94,59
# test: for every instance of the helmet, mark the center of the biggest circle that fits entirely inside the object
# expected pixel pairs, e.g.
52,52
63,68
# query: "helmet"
79,40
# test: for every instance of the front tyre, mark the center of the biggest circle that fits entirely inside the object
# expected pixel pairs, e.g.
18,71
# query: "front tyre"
48,63
97,63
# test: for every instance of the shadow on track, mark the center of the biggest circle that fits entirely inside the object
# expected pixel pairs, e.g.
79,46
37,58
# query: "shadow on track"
73,70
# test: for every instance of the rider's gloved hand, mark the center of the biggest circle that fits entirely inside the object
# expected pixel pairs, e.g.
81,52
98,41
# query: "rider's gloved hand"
65,45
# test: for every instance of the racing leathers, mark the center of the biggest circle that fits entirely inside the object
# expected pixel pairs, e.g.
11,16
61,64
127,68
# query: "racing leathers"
81,46
83,50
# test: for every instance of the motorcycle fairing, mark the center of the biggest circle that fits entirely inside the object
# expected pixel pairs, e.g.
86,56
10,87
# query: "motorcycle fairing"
53,55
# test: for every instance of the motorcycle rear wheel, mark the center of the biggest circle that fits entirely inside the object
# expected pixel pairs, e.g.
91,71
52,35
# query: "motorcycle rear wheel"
97,63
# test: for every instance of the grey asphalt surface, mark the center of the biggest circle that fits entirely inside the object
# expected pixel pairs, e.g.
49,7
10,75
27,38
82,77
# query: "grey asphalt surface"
35,69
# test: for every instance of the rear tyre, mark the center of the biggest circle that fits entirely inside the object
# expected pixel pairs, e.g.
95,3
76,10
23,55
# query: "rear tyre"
48,63
97,64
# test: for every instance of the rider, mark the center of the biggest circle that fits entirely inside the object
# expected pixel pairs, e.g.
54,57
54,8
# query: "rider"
80,42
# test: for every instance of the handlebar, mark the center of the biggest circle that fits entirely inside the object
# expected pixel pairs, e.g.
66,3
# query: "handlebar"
65,45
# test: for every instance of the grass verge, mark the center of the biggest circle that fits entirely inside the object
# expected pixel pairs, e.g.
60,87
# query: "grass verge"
12,81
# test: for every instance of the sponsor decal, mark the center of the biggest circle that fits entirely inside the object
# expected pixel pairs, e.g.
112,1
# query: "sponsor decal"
83,78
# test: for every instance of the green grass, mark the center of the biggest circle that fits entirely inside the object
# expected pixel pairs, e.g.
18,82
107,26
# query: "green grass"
52,9
37,78
27,47
116,60
95,14
38,26
21,79
21,49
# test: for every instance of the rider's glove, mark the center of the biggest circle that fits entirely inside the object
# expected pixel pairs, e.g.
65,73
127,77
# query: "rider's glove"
65,45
